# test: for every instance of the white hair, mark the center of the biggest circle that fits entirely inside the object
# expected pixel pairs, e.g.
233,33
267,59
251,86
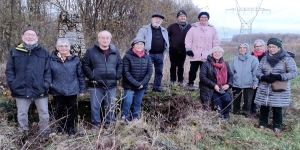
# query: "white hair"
62,40
105,31
214,49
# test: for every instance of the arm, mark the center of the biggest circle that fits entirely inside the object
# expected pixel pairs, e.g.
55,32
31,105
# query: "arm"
47,72
189,40
86,65
149,72
291,69
127,75
119,68
10,70
81,78
254,66
204,76
229,75
216,41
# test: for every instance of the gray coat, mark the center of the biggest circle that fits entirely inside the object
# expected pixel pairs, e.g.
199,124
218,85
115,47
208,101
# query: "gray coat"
146,33
264,95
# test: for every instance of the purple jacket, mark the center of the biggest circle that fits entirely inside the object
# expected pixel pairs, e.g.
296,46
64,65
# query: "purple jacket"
201,39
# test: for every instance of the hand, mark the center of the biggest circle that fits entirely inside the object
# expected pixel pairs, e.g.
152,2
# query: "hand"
225,87
217,88
190,53
141,87
276,76
254,87
81,94
267,79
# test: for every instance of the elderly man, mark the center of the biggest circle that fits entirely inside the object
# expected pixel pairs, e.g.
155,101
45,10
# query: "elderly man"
157,46
102,64
177,32
28,77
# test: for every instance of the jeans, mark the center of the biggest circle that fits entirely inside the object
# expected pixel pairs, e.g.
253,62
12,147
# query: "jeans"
133,100
222,103
195,65
264,116
177,62
42,107
158,61
237,96
96,97
66,110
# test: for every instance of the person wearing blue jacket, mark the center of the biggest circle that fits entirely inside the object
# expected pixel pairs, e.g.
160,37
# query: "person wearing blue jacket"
67,82
243,66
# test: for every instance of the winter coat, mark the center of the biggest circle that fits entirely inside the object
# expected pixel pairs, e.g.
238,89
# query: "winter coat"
201,39
244,71
177,37
136,71
208,79
146,33
104,71
264,95
67,77
28,72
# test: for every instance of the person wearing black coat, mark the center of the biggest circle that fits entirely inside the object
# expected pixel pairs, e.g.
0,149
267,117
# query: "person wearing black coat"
216,80
102,64
137,71
67,81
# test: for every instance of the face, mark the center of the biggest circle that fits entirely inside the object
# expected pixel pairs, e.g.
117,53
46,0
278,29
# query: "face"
156,21
258,47
104,39
139,46
273,49
29,37
182,18
203,19
63,48
217,54
242,49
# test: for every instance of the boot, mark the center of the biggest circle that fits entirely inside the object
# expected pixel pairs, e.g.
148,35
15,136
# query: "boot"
191,87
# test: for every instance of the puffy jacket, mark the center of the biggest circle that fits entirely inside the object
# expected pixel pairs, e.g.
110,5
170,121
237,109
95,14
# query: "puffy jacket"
208,79
67,77
28,72
136,71
177,37
201,39
104,71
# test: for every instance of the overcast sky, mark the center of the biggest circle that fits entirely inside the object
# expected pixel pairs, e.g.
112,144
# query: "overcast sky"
284,16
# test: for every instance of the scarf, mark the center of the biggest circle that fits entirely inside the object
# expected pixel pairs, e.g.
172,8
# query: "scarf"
243,56
257,54
29,48
274,59
182,25
221,72
63,58
140,54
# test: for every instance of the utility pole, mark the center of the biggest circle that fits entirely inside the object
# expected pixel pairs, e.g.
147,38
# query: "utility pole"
246,26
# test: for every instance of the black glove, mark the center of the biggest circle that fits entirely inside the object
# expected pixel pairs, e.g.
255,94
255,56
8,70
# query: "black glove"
276,76
190,53
267,79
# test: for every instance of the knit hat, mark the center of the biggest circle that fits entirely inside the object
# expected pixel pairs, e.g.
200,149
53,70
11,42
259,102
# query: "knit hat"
30,28
136,40
275,41
158,15
181,12
203,13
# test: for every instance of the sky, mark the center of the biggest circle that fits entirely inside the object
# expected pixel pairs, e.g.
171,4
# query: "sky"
284,16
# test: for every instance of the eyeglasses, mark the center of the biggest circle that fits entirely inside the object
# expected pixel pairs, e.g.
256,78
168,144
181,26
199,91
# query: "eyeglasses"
258,46
32,35
272,47
242,47
63,46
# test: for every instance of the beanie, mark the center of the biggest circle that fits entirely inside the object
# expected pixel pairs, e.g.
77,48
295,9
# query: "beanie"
203,13
30,28
181,12
275,41
136,40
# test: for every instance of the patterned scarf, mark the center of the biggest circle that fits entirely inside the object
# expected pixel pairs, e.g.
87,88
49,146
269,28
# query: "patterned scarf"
182,25
274,59
140,54
221,72
63,58
257,54
29,48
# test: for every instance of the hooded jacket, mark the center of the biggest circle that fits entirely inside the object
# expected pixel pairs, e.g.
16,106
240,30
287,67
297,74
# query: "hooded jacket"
67,77
28,72
244,68
136,71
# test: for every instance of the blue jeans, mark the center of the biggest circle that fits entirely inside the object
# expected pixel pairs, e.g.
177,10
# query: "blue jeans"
96,97
158,61
222,103
132,99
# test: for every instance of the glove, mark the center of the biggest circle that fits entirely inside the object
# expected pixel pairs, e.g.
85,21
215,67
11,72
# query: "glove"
190,53
276,76
267,79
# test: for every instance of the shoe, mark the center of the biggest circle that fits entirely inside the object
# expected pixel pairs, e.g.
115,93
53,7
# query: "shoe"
71,131
171,83
262,127
277,132
158,90
59,130
191,87
182,84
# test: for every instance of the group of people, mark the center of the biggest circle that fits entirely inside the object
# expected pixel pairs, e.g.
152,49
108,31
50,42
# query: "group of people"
32,74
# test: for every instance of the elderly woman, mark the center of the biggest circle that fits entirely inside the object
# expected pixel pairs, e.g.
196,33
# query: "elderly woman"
243,67
215,82
137,71
277,65
67,81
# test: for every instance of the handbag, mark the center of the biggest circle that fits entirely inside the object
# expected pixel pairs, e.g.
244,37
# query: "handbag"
279,86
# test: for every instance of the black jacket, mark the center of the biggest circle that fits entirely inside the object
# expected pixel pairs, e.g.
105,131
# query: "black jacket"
28,72
104,71
208,79
67,77
177,37
136,71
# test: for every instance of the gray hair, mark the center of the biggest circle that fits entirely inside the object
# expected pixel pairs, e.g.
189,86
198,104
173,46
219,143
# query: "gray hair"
214,49
62,40
261,41
104,31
